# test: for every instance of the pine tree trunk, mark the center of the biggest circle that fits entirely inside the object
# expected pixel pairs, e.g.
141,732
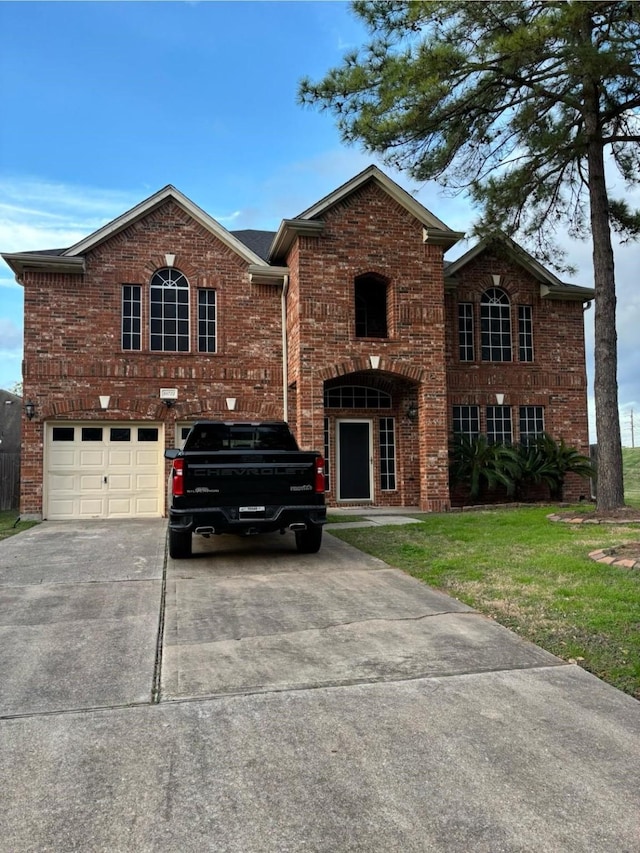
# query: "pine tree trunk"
610,479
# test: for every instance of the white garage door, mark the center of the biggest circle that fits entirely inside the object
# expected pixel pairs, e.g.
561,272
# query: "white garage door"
104,470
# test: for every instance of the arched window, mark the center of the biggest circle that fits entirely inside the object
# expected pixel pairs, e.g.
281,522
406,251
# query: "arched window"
371,306
169,311
495,323
356,397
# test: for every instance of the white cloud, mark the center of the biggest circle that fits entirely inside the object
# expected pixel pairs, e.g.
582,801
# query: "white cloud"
46,215
10,336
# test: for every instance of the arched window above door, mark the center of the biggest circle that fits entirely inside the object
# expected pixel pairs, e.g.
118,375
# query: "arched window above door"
356,397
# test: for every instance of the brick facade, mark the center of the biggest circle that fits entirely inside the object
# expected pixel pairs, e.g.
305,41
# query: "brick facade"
73,344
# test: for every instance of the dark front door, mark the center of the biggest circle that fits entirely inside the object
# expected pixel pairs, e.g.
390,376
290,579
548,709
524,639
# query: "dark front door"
354,465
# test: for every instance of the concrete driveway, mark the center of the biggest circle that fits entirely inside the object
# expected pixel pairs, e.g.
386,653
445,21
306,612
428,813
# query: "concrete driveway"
253,699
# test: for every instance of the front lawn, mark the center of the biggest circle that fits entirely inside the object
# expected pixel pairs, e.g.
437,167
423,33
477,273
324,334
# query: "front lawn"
531,575
8,526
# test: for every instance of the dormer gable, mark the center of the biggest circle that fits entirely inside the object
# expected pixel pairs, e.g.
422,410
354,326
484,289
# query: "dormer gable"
551,287
310,221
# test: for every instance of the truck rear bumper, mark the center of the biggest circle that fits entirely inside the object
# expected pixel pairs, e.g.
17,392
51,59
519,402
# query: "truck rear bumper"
209,520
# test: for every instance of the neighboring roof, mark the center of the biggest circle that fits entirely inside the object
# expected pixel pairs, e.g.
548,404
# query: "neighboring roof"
551,287
435,230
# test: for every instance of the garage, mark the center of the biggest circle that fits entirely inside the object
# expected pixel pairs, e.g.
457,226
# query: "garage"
104,470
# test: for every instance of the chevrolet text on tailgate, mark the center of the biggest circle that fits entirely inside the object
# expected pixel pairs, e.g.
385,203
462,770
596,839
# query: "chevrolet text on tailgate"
244,478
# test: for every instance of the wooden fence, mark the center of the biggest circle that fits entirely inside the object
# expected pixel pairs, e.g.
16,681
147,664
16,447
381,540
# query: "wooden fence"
9,480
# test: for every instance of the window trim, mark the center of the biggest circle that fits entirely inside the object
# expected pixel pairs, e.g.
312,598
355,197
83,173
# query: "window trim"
525,334
505,417
387,446
466,419
208,292
131,301
527,435
163,287
466,336
345,397
496,324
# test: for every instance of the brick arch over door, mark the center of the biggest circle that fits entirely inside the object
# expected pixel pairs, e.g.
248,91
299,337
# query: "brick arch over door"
361,364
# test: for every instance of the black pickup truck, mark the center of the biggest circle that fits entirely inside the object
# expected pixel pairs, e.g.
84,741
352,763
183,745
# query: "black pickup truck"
244,478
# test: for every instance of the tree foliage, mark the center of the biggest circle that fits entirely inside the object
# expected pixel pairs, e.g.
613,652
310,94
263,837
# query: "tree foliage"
514,103
490,98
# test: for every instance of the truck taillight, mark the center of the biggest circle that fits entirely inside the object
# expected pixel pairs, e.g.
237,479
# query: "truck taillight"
318,487
177,485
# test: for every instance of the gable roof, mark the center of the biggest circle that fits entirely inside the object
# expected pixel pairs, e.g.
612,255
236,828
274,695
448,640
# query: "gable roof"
141,210
434,229
551,287
72,259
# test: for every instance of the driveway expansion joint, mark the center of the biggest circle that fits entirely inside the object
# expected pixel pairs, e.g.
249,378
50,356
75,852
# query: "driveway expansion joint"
157,667
305,687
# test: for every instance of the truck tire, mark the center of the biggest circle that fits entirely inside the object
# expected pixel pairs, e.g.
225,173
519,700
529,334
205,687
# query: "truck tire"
309,541
179,544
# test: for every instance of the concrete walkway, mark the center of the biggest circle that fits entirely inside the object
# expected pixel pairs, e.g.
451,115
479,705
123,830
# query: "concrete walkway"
372,517
252,699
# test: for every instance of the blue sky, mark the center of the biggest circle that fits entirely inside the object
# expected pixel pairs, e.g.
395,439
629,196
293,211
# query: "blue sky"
104,103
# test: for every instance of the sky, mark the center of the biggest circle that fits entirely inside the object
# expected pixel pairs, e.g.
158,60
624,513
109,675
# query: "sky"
104,103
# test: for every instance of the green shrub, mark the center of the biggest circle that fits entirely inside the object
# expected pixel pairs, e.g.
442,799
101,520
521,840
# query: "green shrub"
481,467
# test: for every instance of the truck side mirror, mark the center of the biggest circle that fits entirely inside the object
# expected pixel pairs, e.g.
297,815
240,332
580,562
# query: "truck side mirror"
171,453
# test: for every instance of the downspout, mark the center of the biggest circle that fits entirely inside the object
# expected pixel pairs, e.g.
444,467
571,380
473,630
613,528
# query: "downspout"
285,351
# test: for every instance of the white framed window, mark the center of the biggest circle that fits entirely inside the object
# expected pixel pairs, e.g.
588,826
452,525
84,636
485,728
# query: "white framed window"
207,321
525,333
495,324
356,397
499,427
387,454
169,311
531,423
466,349
131,317
466,420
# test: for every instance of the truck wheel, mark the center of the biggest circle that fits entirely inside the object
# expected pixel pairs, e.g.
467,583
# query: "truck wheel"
179,544
309,541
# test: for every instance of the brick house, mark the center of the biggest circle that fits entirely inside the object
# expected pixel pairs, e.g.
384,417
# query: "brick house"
347,322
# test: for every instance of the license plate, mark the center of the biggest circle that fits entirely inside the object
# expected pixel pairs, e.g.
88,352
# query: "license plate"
251,509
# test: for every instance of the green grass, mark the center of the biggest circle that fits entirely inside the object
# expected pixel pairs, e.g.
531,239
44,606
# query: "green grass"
8,527
531,575
631,468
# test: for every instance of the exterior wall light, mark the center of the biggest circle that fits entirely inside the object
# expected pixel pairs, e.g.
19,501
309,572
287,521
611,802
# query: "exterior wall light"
412,411
30,410
169,396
